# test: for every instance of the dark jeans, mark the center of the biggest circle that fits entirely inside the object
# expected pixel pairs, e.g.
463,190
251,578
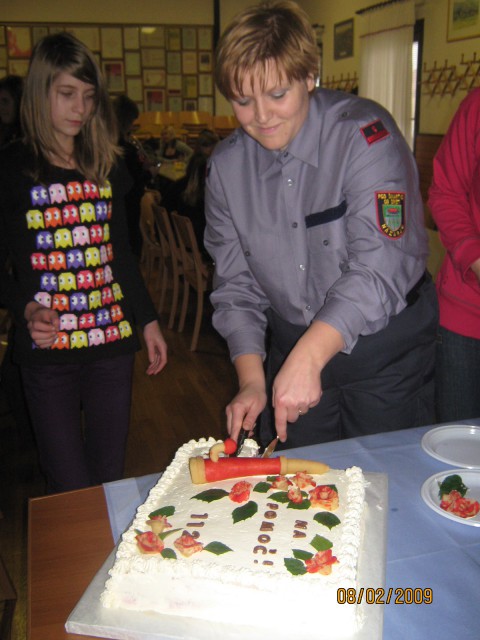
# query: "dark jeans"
385,384
74,453
457,378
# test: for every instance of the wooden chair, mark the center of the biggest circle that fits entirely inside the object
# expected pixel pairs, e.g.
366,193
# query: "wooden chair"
151,249
172,262
196,273
8,599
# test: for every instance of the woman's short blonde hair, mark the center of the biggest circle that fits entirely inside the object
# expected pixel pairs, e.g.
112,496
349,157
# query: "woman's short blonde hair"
95,149
277,32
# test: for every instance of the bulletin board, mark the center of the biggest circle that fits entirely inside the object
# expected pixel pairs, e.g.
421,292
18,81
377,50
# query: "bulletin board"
160,67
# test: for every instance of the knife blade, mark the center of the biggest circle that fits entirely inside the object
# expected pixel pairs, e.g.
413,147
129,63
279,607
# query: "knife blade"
240,440
270,448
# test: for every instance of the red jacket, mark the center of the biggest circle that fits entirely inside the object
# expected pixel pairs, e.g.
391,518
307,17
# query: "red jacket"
454,199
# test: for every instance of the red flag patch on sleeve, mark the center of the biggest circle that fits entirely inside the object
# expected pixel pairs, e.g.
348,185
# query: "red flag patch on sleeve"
374,131
391,213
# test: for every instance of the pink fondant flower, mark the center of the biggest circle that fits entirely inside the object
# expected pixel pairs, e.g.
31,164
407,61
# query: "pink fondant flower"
158,524
187,545
295,495
149,542
240,491
303,480
282,483
321,562
325,497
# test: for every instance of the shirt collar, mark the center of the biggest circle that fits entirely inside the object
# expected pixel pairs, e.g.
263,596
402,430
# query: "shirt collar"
304,146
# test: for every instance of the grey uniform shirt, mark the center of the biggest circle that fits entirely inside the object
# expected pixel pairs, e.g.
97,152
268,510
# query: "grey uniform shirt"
329,229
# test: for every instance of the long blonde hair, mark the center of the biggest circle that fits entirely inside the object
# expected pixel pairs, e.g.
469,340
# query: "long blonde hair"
95,147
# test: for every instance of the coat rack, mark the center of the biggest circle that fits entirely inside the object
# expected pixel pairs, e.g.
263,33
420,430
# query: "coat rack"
445,80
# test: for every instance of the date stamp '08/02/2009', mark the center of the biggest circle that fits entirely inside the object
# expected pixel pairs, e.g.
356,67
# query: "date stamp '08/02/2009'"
385,596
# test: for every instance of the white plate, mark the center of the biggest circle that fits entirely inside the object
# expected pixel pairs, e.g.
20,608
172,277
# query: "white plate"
456,444
471,478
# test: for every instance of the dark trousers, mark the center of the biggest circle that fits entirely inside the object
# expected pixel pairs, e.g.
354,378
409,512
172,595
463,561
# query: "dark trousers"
385,383
457,379
76,453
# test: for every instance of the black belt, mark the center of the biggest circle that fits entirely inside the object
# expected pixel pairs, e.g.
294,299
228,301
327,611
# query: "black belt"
413,294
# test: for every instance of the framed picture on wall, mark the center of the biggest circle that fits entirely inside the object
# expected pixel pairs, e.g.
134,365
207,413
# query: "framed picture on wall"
343,39
154,99
114,75
463,19
19,42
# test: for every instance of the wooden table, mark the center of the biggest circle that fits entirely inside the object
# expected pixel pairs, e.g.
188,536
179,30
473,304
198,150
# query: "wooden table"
69,538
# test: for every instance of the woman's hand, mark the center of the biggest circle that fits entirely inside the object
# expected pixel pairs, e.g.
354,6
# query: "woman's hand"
43,324
250,401
156,347
297,386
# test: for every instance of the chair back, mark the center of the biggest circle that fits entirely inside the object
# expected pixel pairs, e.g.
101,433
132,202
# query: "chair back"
151,249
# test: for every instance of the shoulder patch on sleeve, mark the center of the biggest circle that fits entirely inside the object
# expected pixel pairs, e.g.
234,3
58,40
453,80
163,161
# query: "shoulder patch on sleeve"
374,131
391,213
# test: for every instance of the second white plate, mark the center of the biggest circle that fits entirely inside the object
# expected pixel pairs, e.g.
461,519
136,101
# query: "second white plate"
456,444
430,488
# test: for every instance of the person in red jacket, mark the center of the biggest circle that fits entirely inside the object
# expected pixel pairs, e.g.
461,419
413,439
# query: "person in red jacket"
454,199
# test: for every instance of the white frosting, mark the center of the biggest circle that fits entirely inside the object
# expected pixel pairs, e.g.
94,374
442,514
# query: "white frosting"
210,586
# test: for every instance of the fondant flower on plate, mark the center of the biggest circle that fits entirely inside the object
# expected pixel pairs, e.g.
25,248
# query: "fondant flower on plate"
453,502
321,562
187,545
325,496
303,480
148,542
240,492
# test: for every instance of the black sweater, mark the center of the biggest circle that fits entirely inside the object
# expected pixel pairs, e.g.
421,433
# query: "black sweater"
68,247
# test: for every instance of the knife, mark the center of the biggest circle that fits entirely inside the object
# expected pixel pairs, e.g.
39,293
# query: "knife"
242,436
270,448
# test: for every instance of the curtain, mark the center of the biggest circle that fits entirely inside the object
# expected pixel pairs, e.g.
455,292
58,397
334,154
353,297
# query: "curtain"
386,39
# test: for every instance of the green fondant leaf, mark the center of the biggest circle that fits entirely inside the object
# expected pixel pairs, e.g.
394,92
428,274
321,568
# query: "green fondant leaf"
210,495
452,483
296,567
169,553
305,504
244,512
280,496
262,487
321,544
167,532
271,478
163,511
302,555
326,518
217,548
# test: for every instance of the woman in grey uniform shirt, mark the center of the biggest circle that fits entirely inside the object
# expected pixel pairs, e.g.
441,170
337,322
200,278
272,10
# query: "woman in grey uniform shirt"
315,224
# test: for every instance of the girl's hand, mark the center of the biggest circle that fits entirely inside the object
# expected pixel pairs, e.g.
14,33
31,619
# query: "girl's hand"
156,347
43,324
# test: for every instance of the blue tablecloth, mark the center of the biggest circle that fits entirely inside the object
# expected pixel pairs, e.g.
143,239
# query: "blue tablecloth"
424,549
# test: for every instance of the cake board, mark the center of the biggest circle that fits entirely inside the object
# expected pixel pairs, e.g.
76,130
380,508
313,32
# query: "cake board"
90,618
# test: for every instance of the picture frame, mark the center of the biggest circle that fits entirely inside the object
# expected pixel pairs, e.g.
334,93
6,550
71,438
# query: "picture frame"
131,38
204,61
90,37
154,99
463,19
135,89
112,43
19,42
154,77
152,36
113,70
132,63
343,39
189,62
153,58
190,105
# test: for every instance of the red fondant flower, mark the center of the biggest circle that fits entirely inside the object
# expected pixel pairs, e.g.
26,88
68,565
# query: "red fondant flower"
325,497
240,491
461,507
149,542
321,562
282,483
303,480
295,495
187,545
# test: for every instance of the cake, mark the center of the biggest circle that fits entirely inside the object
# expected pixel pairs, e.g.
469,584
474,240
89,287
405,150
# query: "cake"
251,550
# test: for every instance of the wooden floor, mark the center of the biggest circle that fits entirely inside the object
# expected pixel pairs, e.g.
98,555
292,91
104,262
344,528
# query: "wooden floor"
185,401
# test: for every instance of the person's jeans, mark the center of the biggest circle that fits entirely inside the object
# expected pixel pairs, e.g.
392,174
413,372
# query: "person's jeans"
457,377
76,453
